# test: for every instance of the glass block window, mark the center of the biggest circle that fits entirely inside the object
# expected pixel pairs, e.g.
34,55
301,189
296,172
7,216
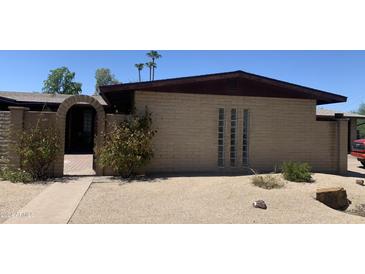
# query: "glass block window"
221,125
88,117
233,139
245,138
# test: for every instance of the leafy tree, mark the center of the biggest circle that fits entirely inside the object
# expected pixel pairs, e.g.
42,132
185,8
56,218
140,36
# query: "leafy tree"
60,80
128,146
361,109
154,55
104,77
139,67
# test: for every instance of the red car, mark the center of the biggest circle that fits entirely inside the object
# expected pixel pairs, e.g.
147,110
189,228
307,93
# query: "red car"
358,150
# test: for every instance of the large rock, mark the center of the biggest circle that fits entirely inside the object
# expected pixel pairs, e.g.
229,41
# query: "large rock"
335,197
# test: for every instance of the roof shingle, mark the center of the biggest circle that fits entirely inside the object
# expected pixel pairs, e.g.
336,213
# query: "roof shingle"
37,97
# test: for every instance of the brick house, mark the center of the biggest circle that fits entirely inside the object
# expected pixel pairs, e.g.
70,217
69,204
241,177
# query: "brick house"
224,123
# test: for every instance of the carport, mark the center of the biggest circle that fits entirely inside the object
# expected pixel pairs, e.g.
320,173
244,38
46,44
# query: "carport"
354,121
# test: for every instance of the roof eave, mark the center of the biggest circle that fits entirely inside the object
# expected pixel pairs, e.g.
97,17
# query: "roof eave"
322,97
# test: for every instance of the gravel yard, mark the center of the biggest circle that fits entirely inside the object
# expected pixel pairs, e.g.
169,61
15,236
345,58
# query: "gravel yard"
215,200
14,196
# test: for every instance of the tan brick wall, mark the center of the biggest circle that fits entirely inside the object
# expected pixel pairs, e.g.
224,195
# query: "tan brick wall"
16,127
22,119
4,136
279,130
114,118
45,119
187,124
342,145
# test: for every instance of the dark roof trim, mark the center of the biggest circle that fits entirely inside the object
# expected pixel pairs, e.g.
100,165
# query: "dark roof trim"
21,103
179,80
321,96
7,100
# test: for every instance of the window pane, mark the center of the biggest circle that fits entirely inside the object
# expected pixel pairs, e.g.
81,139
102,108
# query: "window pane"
221,114
220,160
233,138
245,138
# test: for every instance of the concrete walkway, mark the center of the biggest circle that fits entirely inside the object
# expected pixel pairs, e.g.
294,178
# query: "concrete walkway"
81,164
55,205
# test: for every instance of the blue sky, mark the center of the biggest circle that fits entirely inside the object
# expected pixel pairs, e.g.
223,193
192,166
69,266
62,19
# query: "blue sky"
340,72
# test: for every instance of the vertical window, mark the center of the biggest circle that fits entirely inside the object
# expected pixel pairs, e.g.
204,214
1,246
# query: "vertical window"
245,138
87,120
232,154
221,137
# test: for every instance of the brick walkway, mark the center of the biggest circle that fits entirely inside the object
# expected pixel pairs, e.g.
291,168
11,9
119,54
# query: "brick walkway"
75,164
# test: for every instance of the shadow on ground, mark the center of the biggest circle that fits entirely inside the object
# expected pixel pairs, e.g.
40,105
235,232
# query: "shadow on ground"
355,174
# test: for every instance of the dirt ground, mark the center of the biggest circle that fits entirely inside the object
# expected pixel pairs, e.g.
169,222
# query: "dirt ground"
216,199
212,199
14,196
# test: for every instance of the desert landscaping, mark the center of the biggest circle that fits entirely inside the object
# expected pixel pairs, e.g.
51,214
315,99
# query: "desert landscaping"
212,199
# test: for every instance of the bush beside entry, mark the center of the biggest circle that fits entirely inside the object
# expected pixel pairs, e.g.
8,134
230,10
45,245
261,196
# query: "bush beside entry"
38,149
15,175
128,146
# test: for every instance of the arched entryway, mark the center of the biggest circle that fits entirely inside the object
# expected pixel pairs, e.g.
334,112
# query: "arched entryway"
80,129
81,122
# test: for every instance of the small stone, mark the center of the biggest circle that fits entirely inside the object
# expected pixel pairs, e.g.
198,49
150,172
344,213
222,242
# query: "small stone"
335,197
360,182
260,204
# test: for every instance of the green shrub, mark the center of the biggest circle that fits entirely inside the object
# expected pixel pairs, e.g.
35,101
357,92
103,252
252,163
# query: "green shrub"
297,172
267,181
128,146
37,149
15,175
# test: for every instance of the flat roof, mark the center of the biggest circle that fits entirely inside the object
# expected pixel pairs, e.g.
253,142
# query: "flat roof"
331,113
37,98
236,83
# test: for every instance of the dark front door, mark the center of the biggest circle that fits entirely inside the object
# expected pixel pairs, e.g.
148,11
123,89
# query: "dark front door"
80,130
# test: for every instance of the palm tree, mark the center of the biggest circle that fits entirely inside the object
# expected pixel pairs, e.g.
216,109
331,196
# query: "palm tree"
139,67
154,66
151,66
154,55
